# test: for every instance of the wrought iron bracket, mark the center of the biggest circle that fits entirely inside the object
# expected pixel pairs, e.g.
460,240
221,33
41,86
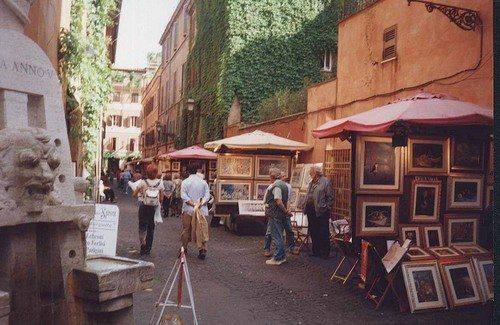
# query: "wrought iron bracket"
464,18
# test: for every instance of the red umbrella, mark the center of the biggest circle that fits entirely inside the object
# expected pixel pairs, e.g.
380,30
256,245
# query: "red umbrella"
421,109
193,152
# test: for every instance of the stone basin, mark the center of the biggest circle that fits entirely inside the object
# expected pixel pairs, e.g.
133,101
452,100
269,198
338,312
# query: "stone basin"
104,278
4,307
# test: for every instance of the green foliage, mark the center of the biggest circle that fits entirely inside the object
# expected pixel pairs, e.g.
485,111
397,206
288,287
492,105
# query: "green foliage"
253,50
282,103
85,69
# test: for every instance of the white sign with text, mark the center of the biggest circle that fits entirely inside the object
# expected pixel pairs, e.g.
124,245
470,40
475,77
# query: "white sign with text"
103,230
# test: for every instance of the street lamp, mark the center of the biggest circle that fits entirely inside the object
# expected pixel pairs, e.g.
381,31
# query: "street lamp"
190,104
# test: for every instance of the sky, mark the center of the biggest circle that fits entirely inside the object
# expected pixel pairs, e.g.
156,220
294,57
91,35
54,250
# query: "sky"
141,25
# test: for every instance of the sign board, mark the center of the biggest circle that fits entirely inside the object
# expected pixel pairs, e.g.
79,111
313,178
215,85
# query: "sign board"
103,230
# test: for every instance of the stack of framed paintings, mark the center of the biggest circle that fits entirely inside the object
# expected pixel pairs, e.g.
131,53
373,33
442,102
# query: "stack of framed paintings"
212,170
460,282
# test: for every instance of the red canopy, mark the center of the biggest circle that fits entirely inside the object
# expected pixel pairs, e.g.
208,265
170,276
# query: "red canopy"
421,109
193,152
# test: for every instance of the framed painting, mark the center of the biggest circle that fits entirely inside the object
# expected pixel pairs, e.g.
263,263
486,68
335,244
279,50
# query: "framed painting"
166,165
377,216
466,154
301,201
251,208
306,178
470,249
296,177
232,191
410,232
212,164
212,175
461,229
460,283
235,166
433,236
417,253
293,199
264,163
260,189
423,285
486,275
427,156
378,165
443,252
465,192
489,195
425,201
175,166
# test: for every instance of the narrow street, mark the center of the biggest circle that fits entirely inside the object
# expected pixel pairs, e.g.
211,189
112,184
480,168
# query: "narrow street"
233,286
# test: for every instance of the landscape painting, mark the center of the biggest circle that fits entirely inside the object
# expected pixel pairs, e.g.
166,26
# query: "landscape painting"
427,156
377,216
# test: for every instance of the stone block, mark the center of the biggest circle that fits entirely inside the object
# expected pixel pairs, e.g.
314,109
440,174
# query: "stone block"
4,307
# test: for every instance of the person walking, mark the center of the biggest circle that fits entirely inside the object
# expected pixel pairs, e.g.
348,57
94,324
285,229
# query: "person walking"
169,191
318,209
195,195
176,203
151,194
126,177
276,200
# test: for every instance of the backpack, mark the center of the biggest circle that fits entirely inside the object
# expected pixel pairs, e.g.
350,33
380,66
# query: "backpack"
152,194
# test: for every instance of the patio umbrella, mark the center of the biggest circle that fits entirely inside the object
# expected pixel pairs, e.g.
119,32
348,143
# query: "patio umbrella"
258,140
193,152
421,109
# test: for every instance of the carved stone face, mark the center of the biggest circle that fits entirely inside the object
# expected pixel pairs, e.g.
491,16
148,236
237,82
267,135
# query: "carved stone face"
28,168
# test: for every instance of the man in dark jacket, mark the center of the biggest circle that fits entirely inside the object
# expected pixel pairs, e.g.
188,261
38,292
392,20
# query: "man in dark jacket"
318,209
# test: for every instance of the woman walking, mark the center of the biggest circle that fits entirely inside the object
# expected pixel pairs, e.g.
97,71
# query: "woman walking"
151,194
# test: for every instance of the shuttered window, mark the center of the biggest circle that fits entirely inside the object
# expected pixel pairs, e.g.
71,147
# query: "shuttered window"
389,49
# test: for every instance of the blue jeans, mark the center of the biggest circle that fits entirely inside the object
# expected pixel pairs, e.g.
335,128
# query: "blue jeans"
290,236
277,227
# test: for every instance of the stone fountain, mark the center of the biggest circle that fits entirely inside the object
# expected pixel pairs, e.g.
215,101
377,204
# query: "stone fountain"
45,275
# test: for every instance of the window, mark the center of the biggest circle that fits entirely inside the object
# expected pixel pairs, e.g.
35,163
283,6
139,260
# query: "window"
174,89
327,60
167,96
389,49
186,19
113,143
116,120
117,97
183,78
169,48
131,146
149,106
135,98
134,121
174,35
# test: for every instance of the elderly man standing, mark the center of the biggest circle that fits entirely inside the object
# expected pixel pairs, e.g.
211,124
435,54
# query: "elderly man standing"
276,200
195,194
318,208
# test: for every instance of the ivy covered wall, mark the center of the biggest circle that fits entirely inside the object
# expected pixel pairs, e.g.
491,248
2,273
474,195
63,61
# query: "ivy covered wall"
253,49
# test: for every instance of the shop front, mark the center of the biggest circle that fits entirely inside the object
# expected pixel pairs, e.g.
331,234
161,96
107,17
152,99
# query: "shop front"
419,173
243,164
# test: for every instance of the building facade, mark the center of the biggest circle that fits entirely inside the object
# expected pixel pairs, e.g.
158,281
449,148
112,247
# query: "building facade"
149,115
122,119
390,50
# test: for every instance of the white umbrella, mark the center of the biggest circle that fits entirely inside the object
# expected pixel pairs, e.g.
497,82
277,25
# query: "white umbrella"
258,140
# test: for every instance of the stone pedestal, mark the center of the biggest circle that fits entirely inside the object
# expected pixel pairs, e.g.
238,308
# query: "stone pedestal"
4,308
104,288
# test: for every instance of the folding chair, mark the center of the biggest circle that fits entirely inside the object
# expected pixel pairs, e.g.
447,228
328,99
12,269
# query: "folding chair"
386,282
300,227
350,257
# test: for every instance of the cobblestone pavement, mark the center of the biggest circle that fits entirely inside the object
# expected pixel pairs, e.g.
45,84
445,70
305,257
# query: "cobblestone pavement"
233,286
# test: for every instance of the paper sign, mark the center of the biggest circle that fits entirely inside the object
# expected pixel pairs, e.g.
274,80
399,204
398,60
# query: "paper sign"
103,230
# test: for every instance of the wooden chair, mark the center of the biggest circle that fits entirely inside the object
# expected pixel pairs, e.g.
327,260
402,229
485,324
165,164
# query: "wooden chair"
383,281
301,230
350,257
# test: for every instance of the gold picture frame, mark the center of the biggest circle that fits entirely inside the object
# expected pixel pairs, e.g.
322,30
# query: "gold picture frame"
232,191
485,270
460,282
175,166
377,216
296,176
427,156
425,201
465,192
378,166
433,235
411,232
461,229
235,166
264,163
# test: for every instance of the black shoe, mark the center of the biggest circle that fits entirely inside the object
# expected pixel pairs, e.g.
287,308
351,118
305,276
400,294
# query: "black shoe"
201,255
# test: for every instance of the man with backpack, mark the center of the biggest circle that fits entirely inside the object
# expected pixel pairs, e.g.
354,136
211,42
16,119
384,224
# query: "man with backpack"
151,194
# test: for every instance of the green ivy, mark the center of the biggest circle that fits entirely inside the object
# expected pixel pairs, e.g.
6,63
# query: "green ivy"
85,69
254,50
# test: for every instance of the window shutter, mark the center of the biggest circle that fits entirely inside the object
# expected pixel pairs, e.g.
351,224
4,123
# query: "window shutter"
389,49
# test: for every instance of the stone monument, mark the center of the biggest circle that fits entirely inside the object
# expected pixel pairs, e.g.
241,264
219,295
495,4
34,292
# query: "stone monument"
45,277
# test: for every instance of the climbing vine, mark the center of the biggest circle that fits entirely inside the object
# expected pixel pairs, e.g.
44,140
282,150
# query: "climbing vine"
85,70
253,50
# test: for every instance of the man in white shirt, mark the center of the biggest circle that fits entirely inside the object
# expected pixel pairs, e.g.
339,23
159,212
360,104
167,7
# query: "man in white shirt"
194,191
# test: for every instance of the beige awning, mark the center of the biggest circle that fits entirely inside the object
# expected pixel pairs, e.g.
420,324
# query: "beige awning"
258,140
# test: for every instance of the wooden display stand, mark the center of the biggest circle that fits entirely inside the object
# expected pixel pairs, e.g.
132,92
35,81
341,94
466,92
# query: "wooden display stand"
350,257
